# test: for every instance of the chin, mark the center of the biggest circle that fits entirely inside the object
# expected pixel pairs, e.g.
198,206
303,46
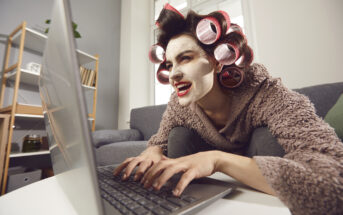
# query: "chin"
184,102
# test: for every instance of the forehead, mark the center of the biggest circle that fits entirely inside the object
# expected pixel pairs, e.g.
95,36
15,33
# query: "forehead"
180,44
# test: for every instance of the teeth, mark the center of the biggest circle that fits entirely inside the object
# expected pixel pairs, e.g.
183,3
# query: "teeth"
182,85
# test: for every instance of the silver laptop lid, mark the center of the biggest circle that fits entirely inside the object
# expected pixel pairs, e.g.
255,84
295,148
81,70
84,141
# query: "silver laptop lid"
66,116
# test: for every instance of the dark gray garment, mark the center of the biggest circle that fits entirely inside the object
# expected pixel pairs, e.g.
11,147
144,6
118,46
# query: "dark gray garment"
183,141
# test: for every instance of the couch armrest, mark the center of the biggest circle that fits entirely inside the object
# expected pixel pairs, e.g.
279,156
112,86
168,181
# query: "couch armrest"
103,137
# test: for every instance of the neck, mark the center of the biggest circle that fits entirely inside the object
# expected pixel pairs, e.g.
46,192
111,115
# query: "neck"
215,105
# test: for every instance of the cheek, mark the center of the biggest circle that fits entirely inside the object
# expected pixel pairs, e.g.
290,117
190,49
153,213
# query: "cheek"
196,70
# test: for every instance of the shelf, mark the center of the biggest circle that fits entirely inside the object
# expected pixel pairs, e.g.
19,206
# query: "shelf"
26,76
31,78
28,116
25,154
24,110
35,41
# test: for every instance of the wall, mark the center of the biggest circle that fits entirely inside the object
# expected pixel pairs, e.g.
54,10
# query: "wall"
136,75
99,24
299,41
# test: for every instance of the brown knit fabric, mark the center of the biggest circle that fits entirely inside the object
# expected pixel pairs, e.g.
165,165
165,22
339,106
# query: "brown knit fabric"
309,178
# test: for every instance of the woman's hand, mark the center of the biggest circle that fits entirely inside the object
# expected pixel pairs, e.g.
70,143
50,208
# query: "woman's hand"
146,159
193,166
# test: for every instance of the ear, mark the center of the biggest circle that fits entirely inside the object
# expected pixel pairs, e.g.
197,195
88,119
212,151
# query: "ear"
216,65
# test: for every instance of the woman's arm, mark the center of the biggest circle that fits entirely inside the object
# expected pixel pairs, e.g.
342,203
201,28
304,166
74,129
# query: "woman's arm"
243,169
205,164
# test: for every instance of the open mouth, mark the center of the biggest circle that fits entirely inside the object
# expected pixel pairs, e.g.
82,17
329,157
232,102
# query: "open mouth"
183,88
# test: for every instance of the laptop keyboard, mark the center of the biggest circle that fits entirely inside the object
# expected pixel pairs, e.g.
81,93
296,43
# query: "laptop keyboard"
129,196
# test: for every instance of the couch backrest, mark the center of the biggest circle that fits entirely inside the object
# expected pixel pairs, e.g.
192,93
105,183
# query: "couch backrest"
147,119
323,96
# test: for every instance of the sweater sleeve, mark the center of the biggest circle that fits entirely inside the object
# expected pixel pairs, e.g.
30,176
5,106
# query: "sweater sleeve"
167,123
309,178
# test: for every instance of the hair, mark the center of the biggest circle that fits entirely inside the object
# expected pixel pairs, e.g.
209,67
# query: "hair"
172,24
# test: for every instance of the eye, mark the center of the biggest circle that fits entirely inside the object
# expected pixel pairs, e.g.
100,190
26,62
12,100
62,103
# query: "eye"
185,58
169,66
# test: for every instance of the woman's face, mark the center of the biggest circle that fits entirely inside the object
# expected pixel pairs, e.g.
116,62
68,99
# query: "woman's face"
191,71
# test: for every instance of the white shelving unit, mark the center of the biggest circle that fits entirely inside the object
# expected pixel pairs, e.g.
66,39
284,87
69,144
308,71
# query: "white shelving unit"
27,39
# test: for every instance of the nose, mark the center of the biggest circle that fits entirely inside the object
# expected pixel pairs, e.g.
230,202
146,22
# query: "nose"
176,74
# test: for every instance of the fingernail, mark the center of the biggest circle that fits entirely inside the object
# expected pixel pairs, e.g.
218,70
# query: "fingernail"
124,177
155,185
146,184
135,178
176,192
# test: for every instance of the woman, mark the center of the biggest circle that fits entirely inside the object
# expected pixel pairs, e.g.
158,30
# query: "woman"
219,101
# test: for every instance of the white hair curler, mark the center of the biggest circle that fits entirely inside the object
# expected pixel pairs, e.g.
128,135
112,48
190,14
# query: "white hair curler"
208,30
162,75
226,53
156,54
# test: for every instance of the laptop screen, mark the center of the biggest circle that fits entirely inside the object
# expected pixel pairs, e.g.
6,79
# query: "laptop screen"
66,116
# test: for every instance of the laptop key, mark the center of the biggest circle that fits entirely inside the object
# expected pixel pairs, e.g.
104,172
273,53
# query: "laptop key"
141,211
160,211
189,199
177,201
169,206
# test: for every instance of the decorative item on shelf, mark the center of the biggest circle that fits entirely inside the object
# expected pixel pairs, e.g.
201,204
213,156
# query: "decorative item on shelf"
87,76
73,24
44,143
33,67
31,143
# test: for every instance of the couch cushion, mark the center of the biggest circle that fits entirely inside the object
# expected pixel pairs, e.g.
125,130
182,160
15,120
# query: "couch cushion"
335,117
147,119
116,153
323,96
103,137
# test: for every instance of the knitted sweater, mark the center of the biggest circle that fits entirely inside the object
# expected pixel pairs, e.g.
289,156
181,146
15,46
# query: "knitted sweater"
309,178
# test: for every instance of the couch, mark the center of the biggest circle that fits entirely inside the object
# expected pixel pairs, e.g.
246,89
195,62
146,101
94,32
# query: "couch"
113,146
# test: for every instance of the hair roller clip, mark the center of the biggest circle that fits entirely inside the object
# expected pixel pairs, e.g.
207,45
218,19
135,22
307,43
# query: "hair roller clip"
170,8
227,20
208,30
226,53
156,54
162,75
231,77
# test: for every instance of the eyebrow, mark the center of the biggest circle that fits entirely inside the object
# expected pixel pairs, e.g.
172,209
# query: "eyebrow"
180,54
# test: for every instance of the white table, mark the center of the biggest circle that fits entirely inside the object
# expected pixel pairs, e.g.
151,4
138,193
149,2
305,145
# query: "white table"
47,197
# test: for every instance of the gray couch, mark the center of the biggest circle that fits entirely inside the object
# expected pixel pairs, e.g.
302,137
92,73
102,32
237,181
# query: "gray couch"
113,146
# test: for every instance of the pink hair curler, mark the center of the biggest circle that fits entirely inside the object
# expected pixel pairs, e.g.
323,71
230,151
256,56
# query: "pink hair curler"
170,8
156,54
227,19
208,30
162,75
226,53
231,77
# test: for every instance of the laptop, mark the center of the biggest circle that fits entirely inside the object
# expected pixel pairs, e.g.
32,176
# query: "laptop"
91,189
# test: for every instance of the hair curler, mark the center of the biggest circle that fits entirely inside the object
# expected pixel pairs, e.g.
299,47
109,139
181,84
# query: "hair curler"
170,8
209,29
156,54
231,77
162,74
226,53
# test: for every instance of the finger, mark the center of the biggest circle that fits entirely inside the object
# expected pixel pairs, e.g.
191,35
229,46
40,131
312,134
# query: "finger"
130,167
186,178
165,176
122,166
152,173
143,166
